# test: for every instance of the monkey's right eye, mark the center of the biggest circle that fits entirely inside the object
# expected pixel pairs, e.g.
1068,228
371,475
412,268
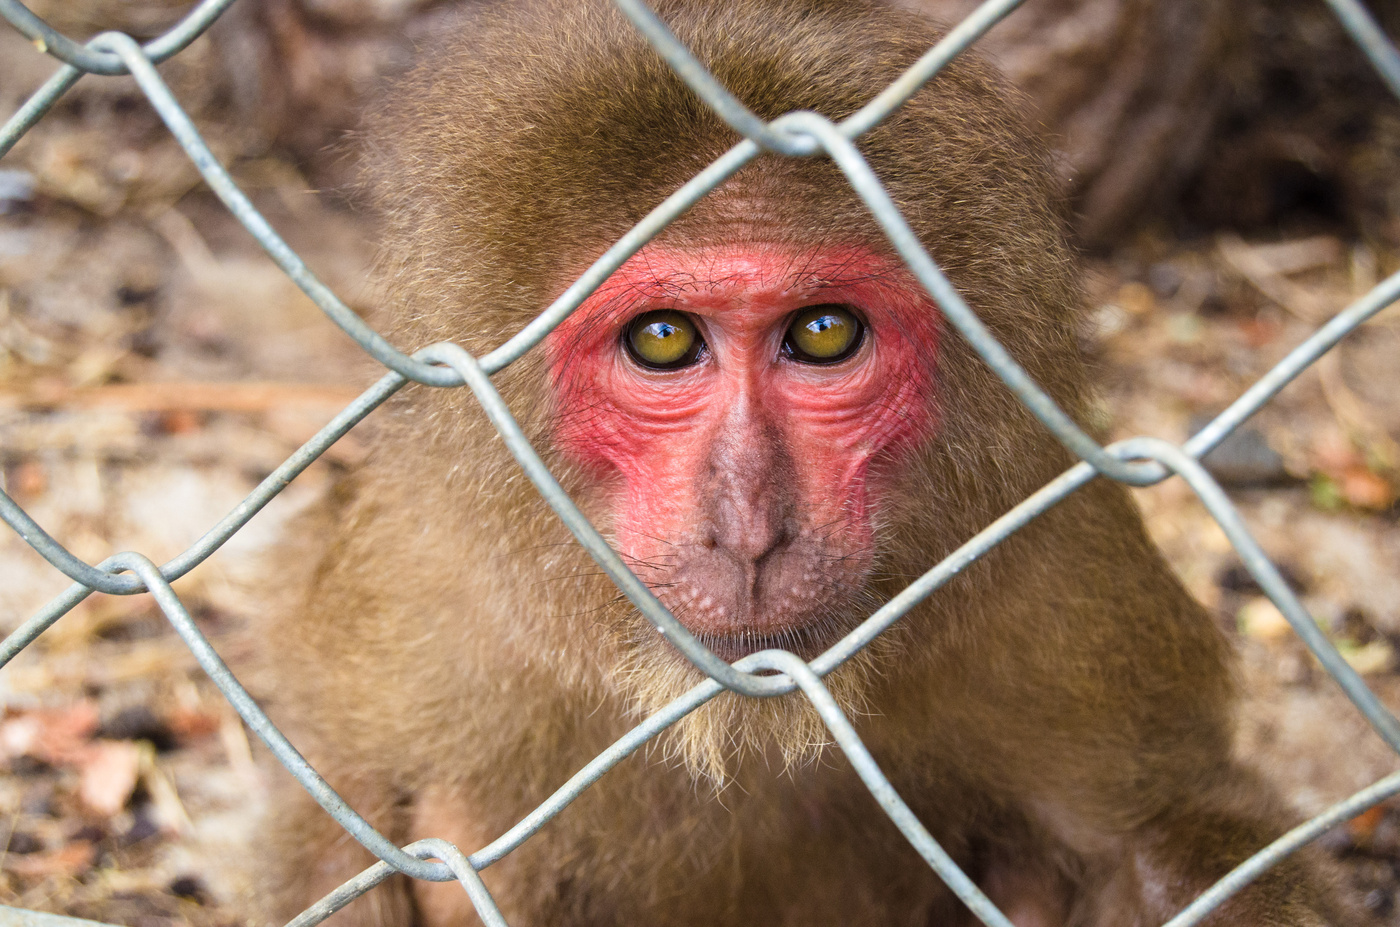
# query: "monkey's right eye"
663,340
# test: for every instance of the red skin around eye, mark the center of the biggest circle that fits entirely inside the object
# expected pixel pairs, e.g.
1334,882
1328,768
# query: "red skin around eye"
746,448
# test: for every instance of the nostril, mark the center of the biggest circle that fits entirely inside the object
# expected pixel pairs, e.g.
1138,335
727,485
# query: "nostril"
780,540
748,532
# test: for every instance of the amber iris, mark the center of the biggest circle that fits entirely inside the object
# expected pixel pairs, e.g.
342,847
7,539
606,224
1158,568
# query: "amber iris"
663,340
823,335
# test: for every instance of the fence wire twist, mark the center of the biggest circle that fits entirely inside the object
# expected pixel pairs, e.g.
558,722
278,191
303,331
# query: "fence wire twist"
1139,461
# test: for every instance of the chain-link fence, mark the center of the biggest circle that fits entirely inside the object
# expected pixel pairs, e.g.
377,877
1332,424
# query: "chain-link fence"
1138,462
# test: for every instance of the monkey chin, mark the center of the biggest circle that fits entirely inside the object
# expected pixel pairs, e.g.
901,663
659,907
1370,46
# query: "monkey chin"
717,740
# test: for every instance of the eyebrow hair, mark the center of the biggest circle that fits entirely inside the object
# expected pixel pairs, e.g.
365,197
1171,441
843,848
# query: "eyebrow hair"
807,270
829,274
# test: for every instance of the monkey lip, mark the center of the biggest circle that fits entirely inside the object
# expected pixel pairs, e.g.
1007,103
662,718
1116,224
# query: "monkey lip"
807,643
805,633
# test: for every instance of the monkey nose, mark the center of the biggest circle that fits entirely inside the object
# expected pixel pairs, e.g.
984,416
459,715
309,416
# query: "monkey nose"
748,489
749,529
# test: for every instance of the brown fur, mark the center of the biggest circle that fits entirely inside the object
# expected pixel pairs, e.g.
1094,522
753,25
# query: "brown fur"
1058,715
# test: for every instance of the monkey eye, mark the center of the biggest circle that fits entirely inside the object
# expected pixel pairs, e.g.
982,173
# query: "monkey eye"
823,335
663,340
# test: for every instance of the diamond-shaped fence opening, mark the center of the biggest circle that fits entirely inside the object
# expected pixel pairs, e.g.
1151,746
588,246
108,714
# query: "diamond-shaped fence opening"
1139,461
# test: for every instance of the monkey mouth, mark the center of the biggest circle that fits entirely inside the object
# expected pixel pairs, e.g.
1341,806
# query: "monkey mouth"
807,641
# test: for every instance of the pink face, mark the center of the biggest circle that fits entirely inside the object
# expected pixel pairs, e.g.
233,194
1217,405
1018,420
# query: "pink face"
743,470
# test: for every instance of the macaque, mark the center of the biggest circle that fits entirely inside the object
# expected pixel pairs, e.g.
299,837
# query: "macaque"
769,419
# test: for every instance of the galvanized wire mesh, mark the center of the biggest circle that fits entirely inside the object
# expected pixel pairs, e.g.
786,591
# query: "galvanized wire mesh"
1139,461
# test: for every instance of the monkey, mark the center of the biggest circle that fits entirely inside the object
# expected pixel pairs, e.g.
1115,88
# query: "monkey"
770,420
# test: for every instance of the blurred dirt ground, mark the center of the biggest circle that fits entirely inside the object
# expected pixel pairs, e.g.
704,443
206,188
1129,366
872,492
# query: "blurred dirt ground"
152,371
154,365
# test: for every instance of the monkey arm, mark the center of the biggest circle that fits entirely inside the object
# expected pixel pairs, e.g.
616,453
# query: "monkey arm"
1171,860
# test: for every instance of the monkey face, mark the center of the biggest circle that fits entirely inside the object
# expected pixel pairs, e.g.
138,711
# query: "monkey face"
733,401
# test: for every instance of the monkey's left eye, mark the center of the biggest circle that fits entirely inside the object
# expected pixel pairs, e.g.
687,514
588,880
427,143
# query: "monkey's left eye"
823,335
663,340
